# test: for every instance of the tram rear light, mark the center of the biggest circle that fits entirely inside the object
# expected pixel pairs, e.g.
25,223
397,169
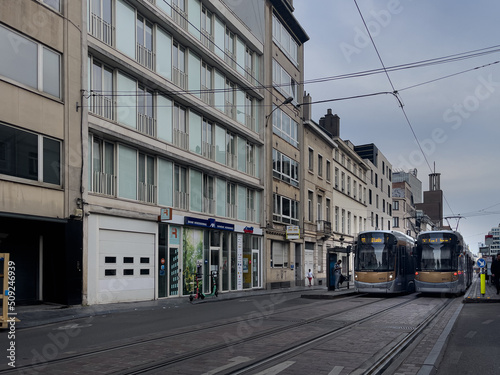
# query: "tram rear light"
416,273
455,274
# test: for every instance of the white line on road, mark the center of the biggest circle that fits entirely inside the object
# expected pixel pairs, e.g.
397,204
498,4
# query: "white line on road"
336,370
276,369
233,362
471,334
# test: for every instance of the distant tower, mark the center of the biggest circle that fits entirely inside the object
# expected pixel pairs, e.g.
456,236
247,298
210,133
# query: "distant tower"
433,200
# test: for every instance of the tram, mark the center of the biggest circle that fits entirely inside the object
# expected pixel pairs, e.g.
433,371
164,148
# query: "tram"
443,263
384,262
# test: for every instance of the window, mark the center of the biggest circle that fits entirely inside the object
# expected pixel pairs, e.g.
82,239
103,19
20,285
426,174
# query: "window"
206,84
336,219
146,179
230,150
327,210
310,196
231,200
336,178
102,164
144,43
283,81
320,165
180,129
207,139
342,182
395,205
179,13
250,158
56,4
28,155
328,170
100,20
249,65
285,168
207,37
229,107
285,210
29,63
285,127
229,56
179,65
279,256
146,123
319,211
101,101
251,212
180,187
285,41
249,113
208,194
395,222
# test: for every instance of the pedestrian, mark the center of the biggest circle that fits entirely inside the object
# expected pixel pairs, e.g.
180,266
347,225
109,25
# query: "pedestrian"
337,270
495,272
310,276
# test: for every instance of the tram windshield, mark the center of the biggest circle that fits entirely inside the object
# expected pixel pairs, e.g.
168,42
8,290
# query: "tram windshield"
437,252
375,252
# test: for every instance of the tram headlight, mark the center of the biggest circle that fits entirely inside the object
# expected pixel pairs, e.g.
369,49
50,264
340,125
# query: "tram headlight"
391,276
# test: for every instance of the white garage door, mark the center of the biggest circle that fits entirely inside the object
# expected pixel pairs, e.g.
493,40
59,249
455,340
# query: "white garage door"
126,266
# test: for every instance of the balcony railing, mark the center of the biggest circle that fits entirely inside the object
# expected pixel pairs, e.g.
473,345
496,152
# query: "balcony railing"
250,122
104,183
101,29
230,109
181,139
146,193
180,78
207,95
324,226
230,160
208,150
231,210
230,58
181,200
179,16
209,206
102,106
251,215
145,56
146,124
251,168
207,39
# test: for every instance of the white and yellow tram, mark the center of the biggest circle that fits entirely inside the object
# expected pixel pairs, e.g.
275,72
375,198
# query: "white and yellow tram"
443,263
384,262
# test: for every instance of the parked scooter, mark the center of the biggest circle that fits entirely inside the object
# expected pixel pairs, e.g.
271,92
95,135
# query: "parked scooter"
215,290
199,294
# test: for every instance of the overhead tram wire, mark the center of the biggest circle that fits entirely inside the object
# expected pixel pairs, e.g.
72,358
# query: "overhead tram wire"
395,92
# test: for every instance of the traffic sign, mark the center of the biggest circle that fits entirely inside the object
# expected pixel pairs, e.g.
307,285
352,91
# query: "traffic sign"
481,263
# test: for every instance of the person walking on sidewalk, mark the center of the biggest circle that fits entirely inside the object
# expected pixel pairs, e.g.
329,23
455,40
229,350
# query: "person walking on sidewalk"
337,271
310,276
495,272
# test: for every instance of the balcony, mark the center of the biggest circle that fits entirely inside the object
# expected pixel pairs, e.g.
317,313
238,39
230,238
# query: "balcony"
207,39
104,183
145,56
179,17
231,210
181,200
146,124
230,160
324,227
102,106
181,139
146,192
101,29
208,150
179,78
209,206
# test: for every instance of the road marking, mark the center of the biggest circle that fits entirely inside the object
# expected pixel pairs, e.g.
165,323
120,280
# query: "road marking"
470,334
488,321
336,370
72,326
233,362
276,369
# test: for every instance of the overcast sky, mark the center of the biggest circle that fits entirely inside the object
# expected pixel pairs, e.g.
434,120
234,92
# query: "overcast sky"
456,119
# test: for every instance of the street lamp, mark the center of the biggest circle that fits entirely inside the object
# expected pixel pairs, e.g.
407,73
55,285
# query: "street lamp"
286,101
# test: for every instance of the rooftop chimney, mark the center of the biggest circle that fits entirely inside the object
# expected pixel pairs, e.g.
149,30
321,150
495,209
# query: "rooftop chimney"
331,123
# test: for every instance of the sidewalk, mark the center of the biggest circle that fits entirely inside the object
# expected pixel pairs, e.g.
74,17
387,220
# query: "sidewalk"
474,294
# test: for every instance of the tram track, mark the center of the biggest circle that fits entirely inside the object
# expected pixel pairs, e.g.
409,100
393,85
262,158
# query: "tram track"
109,349
211,349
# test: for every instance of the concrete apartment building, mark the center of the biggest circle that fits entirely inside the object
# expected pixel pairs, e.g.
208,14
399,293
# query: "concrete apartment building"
379,200
284,67
406,192
41,148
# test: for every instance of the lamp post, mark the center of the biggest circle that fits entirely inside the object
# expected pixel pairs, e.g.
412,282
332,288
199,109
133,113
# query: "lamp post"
286,101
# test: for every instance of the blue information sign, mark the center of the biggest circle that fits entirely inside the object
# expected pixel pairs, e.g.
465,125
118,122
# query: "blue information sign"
481,263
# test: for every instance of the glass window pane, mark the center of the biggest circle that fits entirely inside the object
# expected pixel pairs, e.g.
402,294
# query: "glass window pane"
19,58
56,4
51,161
51,73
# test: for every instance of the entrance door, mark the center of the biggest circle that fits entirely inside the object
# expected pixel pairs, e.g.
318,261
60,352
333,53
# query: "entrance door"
173,271
214,267
255,269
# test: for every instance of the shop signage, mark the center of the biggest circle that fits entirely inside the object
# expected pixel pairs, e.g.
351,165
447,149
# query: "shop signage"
210,223
165,214
248,230
292,232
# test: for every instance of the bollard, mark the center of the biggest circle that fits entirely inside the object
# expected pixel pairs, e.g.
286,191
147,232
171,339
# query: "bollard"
483,282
